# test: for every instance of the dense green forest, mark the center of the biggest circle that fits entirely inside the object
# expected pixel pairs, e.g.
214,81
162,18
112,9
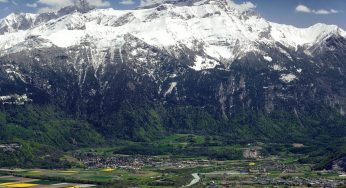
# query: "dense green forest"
45,133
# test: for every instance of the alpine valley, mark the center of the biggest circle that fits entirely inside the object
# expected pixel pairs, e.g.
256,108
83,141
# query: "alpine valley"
129,79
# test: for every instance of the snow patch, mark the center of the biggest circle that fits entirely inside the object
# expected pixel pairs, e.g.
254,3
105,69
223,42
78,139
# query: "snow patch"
278,68
170,89
173,75
287,78
203,63
268,58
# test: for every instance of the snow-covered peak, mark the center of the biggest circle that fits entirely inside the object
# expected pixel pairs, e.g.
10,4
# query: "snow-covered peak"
16,21
15,17
24,21
294,37
217,31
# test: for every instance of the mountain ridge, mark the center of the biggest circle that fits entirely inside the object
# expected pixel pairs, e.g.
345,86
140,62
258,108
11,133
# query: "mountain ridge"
221,44
202,36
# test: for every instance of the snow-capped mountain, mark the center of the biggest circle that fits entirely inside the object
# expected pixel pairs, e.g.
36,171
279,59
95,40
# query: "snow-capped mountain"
216,32
208,54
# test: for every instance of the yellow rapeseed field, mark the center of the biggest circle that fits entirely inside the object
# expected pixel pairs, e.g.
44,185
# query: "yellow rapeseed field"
69,171
4,184
17,185
107,170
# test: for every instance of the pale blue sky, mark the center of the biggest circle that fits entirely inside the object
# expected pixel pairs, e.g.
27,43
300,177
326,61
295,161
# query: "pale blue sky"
301,13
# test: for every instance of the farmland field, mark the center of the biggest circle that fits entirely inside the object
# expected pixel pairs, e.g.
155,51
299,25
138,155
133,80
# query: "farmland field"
179,160
179,172
8,181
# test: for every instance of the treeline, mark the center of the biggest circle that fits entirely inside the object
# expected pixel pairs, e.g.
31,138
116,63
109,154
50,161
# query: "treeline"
196,151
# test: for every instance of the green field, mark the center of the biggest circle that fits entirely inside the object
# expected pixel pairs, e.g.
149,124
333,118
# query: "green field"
235,173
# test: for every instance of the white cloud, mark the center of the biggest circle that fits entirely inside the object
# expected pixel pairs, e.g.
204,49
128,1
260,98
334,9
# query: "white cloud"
53,5
127,2
32,5
245,6
305,9
144,3
99,3
47,9
322,11
3,1
334,11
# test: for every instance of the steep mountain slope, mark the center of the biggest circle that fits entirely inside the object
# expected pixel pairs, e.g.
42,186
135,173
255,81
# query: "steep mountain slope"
180,65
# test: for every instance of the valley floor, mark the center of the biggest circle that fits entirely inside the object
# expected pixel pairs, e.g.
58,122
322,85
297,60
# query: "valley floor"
180,160
164,171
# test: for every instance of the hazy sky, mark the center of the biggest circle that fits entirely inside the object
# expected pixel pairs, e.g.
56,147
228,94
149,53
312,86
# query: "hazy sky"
300,13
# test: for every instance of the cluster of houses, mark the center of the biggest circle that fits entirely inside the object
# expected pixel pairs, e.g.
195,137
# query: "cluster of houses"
289,182
9,147
92,160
